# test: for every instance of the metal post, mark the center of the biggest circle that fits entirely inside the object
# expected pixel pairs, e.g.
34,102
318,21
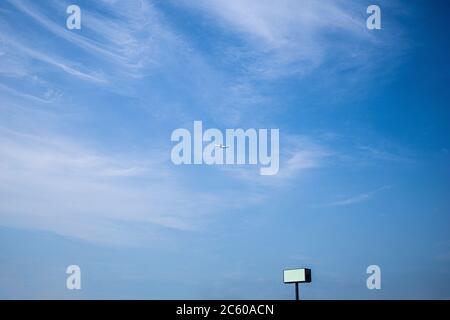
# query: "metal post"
297,297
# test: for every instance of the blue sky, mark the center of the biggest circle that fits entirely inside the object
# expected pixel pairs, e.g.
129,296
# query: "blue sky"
86,177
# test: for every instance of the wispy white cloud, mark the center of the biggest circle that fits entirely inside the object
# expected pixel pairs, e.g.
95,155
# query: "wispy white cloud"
298,155
358,198
47,97
52,183
123,46
55,183
128,35
59,29
303,153
290,37
20,53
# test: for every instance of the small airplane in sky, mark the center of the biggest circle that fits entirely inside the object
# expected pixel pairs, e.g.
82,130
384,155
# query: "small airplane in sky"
221,146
